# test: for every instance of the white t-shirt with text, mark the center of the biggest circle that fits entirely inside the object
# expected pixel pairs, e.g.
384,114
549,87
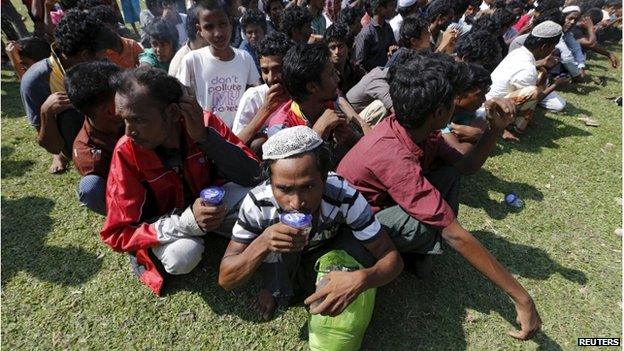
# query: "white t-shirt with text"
218,85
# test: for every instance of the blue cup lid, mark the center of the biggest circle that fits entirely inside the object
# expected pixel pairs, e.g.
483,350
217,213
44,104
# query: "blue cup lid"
511,197
212,195
296,219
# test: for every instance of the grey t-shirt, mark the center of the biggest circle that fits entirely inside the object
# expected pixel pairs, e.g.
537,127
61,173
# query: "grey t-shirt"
373,86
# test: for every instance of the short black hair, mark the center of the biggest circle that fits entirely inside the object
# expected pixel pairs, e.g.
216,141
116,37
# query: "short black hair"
553,14
460,6
88,84
105,14
161,30
478,76
213,5
86,5
294,17
595,14
150,4
413,26
503,18
192,20
588,4
254,17
34,48
403,55
421,85
532,42
162,87
479,46
371,6
274,44
303,64
438,8
322,155
548,4
350,15
485,22
337,32
77,31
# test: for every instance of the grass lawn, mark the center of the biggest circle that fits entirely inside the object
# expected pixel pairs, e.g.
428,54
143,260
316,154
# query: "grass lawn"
63,289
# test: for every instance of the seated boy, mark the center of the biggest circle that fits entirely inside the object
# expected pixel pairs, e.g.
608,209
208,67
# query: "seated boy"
163,39
260,103
254,27
89,91
78,38
296,24
374,40
217,74
393,168
310,79
349,74
26,52
125,51
168,155
465,129
297,165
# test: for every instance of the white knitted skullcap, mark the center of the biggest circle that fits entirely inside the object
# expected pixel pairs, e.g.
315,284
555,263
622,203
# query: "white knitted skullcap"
572,8
289,142
406,3
546,29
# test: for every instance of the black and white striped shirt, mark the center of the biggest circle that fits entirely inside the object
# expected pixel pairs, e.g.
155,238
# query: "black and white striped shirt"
341,204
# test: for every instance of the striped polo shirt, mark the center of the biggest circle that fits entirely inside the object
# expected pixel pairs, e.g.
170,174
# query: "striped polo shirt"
341,205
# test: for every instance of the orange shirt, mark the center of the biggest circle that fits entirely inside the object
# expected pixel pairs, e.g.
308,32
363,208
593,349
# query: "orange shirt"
129,57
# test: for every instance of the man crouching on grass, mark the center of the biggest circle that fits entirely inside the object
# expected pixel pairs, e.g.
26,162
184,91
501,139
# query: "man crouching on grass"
158,168
297,165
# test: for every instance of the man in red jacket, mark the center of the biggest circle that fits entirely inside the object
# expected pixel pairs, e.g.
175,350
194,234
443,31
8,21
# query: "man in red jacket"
166,157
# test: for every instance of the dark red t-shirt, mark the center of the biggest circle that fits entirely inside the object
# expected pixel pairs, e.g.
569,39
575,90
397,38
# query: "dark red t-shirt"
389,169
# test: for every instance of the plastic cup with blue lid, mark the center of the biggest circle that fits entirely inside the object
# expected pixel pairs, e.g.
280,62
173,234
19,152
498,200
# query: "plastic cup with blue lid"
297,220
212,195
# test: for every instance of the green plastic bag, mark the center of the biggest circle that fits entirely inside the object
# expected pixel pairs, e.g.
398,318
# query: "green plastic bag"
345,331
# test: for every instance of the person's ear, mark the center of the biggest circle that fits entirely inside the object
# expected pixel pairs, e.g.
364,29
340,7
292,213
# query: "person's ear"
172,112
312,87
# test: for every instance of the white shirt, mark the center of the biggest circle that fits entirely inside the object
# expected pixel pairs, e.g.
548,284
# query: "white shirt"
396,23
248,107
218,85
176,61
516,71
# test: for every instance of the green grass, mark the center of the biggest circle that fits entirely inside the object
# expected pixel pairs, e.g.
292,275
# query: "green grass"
63,289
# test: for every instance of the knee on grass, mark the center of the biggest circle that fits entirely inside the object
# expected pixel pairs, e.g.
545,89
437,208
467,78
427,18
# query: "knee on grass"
183,257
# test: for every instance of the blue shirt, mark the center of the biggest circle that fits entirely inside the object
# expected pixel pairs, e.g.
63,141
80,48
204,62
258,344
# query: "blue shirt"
247,47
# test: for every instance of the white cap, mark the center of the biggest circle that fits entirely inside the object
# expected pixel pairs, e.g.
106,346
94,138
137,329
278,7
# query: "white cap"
289,142
546,29
569,9
406,3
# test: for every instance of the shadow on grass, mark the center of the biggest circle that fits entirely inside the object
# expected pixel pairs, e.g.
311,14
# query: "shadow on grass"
431,314
11,100
475,189
25,224
544,132
13,168
204,281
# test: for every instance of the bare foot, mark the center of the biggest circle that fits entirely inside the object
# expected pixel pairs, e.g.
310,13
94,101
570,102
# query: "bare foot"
265,304
59,164
507,135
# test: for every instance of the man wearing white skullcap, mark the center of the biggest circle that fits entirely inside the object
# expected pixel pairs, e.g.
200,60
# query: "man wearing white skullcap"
517,76
296,165
572,57
404,9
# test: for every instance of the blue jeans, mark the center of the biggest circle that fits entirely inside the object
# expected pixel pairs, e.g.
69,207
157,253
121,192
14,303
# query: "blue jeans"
92,193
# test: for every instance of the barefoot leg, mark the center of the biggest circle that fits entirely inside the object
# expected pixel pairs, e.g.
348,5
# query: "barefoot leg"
507,135
265,304
59,164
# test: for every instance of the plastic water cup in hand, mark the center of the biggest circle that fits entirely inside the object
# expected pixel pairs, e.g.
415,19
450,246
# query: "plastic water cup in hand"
298,221
212,195
513,200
